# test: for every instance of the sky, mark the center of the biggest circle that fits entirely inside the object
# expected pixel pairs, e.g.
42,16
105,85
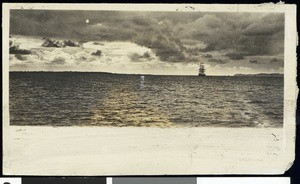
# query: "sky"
133,42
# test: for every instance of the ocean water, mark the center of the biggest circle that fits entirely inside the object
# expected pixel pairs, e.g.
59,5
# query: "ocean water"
98,99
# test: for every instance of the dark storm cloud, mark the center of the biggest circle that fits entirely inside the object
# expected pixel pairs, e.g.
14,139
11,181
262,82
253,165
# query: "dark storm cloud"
248,34
52,43
161,39
56,43
235,56
145,29
210,47
21,57
207,55
135,57
71,43
58,61
266,26
97,53
14,49
167,53
254,61
97,43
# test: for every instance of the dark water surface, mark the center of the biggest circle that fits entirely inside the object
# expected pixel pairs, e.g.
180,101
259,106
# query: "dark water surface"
73,98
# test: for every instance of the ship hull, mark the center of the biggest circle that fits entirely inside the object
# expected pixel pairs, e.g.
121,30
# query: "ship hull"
201,75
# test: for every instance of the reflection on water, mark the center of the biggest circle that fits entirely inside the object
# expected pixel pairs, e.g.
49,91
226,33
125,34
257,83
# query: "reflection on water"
64,99
125,106
142,80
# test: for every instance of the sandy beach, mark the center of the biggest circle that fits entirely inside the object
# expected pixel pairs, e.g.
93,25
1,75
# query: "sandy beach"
125,151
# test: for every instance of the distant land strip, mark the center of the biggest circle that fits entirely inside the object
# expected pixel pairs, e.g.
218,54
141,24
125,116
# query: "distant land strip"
236,75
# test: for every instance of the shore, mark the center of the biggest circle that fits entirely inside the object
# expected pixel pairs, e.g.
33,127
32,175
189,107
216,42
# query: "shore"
146,151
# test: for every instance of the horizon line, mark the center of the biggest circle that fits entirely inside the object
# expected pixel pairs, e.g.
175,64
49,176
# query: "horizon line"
238,74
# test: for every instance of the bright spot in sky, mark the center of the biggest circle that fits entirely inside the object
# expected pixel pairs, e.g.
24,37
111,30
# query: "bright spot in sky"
87,21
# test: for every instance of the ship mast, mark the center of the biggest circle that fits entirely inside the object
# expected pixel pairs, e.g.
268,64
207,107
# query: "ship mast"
201,70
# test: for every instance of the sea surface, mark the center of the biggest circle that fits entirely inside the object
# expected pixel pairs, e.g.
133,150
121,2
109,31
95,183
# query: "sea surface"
99,99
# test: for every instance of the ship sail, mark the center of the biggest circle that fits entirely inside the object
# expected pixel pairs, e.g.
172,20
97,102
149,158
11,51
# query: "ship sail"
201,70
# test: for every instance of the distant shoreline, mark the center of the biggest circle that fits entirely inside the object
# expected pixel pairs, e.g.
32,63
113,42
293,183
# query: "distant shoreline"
110,73
261,75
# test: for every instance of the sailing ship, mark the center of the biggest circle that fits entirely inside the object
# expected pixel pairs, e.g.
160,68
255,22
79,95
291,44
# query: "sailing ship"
201,70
